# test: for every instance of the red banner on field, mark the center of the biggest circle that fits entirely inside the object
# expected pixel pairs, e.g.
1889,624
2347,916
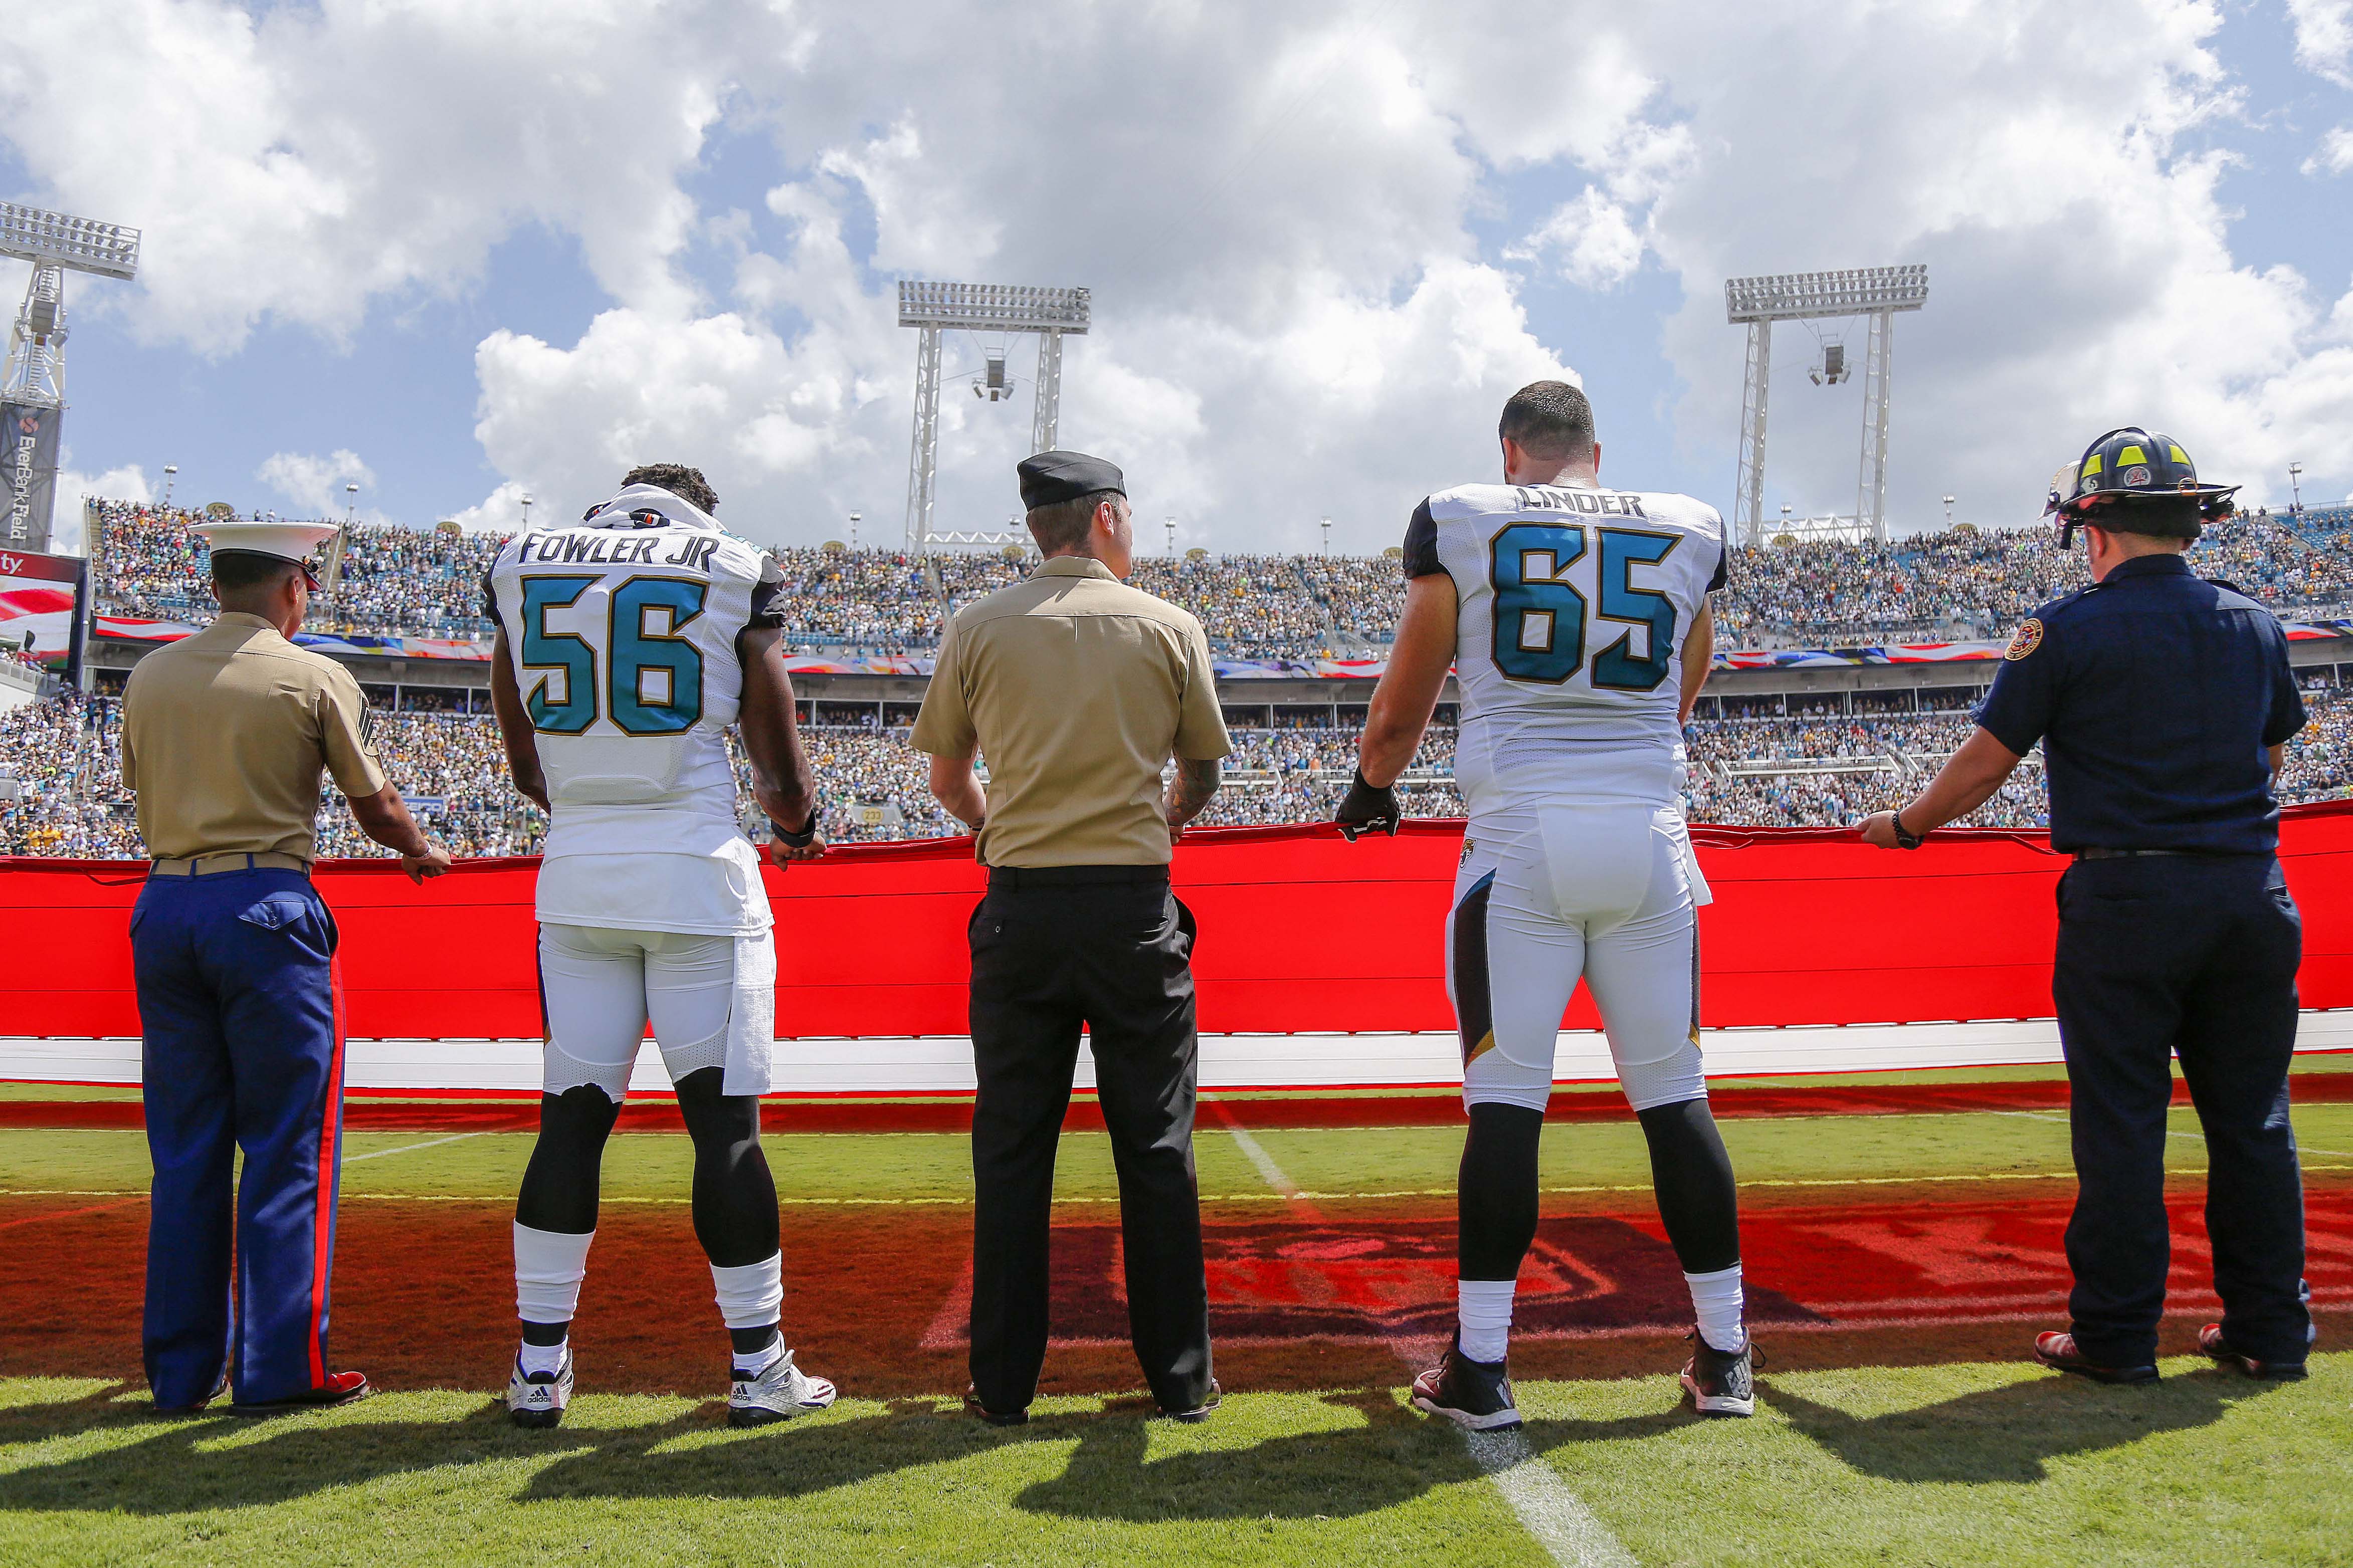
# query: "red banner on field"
1300,932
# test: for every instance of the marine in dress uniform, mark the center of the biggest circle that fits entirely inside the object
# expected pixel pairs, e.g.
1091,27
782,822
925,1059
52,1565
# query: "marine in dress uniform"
2162,701
1078,690
224,737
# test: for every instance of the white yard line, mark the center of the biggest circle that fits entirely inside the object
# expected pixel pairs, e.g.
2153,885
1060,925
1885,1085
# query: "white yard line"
1562,1524
409,1147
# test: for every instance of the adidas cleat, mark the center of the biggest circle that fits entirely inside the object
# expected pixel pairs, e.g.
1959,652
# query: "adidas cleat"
537,1399
1473,1395
780,1393
1722,1384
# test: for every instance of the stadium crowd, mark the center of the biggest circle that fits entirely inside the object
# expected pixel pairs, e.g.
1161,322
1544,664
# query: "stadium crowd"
1959,583
61,792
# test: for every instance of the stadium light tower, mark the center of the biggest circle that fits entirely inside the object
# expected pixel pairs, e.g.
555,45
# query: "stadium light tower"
33,386
1877,292
935,307
2295,485
171,474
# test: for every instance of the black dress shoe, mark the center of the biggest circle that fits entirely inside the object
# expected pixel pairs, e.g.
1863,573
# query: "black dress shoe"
2211,1340
1199,1412
994,1418
2058,1352
196,1408
341,1388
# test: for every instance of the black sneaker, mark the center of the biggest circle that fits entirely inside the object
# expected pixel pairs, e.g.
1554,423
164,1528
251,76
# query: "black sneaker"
1473,1395
1722,1384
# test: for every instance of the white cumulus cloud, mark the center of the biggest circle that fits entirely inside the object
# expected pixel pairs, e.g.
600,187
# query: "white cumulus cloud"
315,484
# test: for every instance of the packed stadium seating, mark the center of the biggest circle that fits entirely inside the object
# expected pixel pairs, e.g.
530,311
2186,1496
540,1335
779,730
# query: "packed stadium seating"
1791,769
1958,585
1753,761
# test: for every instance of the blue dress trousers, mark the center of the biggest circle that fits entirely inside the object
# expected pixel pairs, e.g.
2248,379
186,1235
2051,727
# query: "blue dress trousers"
243,1049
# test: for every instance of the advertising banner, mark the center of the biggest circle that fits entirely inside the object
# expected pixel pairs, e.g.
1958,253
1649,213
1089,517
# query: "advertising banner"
40,609
29,473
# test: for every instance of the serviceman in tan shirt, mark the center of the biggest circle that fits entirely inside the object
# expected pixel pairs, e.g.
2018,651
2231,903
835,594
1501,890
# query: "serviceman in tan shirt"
224,736
1079,690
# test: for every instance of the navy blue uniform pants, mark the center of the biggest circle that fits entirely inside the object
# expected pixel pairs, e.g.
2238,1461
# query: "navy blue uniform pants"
243,1049
2194,956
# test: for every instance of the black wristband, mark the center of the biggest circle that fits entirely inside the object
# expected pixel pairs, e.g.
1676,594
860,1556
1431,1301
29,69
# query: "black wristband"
801,840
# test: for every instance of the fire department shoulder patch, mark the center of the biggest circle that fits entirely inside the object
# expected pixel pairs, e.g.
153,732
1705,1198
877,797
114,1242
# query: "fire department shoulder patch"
2027,639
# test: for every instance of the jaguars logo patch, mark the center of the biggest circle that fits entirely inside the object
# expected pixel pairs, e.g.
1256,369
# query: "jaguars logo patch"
2027,639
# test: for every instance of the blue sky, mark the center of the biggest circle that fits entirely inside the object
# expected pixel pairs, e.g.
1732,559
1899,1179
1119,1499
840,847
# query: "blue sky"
1317,250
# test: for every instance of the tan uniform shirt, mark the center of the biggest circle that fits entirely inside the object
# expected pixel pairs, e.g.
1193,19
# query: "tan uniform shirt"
224,737
1077,689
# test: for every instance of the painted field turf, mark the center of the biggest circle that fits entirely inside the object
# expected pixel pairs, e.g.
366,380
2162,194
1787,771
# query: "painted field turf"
1970,1463
1899,1262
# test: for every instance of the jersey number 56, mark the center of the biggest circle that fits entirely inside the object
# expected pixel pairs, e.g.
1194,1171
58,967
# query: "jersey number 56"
1540,615
653,680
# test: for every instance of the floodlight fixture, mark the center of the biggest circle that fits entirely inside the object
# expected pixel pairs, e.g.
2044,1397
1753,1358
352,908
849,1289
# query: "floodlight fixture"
933,308
48,238
1817,296
33,384
1875,293
2295,485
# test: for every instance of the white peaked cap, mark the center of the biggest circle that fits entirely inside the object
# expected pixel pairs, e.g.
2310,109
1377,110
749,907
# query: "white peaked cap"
287,541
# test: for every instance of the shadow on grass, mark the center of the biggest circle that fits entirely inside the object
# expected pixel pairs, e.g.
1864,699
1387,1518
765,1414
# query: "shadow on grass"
2009,1434
1393,1458
162,1467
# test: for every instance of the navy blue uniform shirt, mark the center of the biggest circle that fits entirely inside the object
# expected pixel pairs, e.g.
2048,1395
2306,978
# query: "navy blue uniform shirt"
2154,694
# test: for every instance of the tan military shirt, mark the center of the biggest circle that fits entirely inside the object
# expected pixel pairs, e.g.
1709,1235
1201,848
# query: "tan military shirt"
224,737
1077,689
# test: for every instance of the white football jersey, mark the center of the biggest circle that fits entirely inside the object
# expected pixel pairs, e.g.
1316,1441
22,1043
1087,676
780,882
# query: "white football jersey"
1575,603
622,631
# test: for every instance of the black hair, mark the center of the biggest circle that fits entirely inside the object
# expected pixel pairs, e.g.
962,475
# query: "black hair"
2158,517
1062,525
1551,418
687,484
236,569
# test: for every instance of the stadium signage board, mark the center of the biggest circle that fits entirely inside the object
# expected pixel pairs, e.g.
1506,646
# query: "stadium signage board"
41,605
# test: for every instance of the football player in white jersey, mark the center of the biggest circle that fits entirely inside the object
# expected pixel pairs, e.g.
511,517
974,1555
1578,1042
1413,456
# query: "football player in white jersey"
628,643
1576,618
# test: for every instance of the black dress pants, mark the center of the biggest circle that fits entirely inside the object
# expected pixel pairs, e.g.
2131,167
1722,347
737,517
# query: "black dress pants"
2192,956
1111,948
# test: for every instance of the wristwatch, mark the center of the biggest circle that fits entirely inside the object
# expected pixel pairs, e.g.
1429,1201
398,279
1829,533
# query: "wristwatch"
1905,837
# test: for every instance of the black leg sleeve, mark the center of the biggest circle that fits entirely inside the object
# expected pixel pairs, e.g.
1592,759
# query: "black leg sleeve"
1496,1199
559,1185
734,1195
1693,1174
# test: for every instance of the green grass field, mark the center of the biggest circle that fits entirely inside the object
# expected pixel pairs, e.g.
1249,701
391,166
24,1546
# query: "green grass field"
1892,1445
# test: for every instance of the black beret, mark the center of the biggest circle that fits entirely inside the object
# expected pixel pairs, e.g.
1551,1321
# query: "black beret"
1051,476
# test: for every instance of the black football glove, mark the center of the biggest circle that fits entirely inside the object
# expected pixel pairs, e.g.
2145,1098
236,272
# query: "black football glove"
1369,810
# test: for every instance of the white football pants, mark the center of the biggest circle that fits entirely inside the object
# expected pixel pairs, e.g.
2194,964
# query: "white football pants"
599,986
1548,894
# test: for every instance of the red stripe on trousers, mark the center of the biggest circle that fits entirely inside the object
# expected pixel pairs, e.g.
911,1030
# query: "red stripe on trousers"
323,1217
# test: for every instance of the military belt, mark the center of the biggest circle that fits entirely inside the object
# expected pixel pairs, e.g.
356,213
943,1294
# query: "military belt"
214,865
1073,876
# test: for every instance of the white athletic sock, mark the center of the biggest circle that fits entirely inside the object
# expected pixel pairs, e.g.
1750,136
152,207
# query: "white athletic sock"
549,1266
752,1295
761,1360
1715,1298
544,1358
1483,1307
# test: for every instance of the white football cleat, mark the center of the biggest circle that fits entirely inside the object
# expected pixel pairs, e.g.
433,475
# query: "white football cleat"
780,1393
537,1400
